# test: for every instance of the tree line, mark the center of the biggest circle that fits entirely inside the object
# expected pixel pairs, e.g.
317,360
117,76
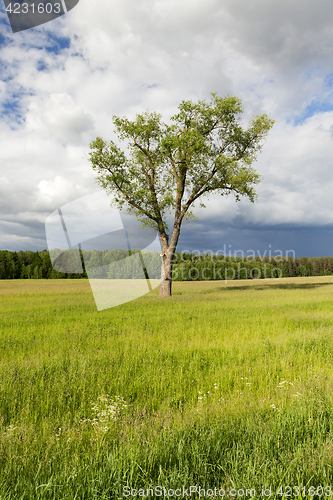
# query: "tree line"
186,267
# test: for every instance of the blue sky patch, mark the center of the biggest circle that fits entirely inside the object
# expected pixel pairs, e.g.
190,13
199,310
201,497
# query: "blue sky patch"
314,108
3,40
329,80
11,108
56,44
41,65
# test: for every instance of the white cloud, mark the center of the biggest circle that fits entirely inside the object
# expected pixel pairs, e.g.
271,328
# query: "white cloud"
297,168
66,120
126,57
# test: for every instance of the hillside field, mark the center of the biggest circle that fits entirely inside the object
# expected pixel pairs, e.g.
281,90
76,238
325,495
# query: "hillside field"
223,385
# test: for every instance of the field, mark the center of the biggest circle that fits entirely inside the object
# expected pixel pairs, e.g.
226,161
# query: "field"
221,386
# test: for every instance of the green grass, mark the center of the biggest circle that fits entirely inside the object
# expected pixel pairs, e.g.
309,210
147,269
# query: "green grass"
227,385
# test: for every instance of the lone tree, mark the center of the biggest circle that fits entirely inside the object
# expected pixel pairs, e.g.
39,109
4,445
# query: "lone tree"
171,166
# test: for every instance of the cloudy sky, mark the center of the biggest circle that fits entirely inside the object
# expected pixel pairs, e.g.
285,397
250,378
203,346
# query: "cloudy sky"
60,84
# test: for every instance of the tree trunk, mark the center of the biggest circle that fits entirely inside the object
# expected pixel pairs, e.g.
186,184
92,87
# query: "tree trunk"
165,287
166,282
168,252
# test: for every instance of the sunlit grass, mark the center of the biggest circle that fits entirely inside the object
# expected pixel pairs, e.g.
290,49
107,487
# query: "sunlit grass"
224,384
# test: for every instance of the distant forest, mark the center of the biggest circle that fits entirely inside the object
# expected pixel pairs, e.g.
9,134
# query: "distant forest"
187,267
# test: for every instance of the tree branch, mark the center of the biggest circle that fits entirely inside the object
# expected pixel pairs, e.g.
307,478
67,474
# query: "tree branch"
151,183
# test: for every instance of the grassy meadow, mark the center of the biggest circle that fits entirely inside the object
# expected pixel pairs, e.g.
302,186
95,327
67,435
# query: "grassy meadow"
226,385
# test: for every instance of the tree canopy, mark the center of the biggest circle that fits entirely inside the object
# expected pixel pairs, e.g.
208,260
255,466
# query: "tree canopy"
167,167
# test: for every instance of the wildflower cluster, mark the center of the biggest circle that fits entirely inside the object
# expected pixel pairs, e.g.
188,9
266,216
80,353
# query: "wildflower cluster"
106,411
10,431
284,385
217,395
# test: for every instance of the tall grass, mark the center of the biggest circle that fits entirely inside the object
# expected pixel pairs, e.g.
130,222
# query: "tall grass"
222,385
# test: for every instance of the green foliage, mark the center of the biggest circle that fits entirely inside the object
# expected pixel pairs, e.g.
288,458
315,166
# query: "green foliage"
29,265
186,267
171,166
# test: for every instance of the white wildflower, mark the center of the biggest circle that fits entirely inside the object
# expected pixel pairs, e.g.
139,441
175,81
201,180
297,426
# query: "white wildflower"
105,411
10,430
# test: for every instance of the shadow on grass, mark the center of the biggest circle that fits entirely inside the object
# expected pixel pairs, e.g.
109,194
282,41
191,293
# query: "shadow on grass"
285,286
